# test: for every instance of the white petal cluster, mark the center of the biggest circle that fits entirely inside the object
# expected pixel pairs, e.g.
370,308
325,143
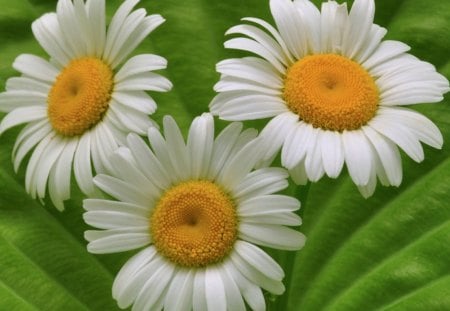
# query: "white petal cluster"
78,30
252,88
149,281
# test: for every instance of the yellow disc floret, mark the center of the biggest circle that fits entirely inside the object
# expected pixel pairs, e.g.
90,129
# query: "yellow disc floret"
194,224
80,96
331,92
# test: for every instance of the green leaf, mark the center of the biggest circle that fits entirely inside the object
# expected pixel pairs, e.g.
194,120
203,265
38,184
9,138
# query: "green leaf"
389,252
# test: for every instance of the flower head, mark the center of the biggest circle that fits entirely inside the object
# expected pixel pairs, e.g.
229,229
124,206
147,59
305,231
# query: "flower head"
80,105
199,208
332,89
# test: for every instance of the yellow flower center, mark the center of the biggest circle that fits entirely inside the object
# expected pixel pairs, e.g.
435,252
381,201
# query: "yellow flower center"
331,92
194,224
80,96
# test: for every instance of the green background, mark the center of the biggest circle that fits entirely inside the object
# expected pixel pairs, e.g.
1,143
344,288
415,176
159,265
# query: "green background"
390,252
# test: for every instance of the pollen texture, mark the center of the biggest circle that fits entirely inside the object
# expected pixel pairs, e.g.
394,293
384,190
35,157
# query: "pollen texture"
331,92
194,224
80,96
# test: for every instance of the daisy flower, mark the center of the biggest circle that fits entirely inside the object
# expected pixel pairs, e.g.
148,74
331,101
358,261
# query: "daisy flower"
199,209
332,89
80,104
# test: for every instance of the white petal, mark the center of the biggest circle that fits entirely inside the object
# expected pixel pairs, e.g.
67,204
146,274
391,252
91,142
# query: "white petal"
358,27
358,156
35,67
425,91
380,171
148,163
272,236
22,99
234,298
160,149
310,16
176,148
334,18
127,273
262,181
290,26
33,164
262,38
93,235
180,292
116,24
114,219
372,42
145,81
388,154
22,115
103,144
400,135
61,173
137,100
296,144
115,206
199,300
240,165
259,260
97,19
313,160
237,84
29,137
368,190
298,174
399,63
84,26
130,23
274,34
254,275
131,288
28,85
252,69
247,105
129,119
268,204
223,145
149,24
139,64
154,287
252,46
73,27
424,78
82,165
120,190
47,32
214,290
387,50
126,170
47,160
200,145
119,242
275,132
274,218
425,130
332,153
250,291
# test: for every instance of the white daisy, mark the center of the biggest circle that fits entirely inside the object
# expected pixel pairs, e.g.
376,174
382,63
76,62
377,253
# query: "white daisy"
80,105
199,208
332,88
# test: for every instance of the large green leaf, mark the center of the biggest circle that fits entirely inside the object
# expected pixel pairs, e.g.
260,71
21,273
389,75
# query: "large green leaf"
390,252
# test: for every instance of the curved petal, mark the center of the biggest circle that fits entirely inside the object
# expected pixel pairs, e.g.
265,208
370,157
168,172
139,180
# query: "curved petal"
358,157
